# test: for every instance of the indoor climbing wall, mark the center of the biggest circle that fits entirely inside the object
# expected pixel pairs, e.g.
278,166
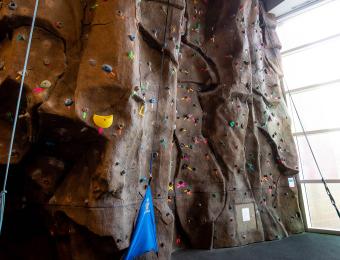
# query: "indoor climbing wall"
236,152
195,84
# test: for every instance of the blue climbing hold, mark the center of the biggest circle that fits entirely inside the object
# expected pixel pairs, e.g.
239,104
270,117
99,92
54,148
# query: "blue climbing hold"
132,37
107,68
153,101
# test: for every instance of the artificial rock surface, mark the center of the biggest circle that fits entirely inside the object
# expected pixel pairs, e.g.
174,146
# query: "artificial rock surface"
215,118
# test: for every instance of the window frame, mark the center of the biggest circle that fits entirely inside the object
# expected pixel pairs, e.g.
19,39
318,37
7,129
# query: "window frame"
301,185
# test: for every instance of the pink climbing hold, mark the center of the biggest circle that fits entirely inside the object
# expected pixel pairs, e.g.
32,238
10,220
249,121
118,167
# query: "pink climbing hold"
100,130
38,90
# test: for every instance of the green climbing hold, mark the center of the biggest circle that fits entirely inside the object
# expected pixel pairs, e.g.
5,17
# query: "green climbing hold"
231,123
250,167
197,27
21,37
93,7
45,84
131,55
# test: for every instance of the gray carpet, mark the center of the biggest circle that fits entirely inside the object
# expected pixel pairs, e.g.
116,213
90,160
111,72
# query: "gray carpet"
307,246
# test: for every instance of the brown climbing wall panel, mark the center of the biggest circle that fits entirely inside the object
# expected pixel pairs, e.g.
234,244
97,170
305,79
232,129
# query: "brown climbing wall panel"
216,120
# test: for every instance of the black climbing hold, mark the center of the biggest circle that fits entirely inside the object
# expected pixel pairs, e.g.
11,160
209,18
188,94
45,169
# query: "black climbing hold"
12,5
68,102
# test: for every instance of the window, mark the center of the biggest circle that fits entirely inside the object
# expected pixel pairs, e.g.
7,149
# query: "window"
310,59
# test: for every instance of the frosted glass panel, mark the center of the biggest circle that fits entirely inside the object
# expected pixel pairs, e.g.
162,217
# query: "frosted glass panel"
322,212
314,25
318,108
326,147
313,65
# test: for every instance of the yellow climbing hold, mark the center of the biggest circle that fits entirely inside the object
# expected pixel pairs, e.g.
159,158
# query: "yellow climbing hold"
142,111
103,121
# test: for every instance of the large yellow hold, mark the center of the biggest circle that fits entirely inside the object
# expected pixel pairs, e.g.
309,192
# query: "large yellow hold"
103,121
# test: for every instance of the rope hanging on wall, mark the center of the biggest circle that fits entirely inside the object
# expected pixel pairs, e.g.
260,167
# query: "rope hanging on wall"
331,198
3,192
144,237
153,153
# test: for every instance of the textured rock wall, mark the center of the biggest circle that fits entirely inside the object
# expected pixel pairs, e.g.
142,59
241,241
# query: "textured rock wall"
216,120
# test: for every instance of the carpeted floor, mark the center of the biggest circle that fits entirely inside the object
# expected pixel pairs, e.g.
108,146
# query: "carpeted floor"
307,246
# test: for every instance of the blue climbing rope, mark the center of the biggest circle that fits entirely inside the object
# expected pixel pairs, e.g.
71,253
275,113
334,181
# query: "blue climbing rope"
3,192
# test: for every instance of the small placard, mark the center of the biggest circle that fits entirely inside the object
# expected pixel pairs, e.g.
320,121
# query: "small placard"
245,214
291,182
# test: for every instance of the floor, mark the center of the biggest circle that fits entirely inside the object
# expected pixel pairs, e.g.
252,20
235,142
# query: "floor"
307,246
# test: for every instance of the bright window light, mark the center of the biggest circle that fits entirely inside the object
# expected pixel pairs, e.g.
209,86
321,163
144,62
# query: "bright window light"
310,59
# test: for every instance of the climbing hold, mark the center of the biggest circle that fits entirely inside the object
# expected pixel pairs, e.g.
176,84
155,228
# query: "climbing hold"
21,37
93,62
132,37
45,84
59,25
154,155
46,61
68,102
84,110
93,7
141,180
231,123
103,121
149,65
181,184
250,167
144,86
12,5
141,111
131,55
153,100
163,143
107,68
38,90
120,13
197,27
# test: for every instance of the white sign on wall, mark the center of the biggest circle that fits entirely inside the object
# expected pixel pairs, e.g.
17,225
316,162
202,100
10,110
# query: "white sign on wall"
245,214
291,182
